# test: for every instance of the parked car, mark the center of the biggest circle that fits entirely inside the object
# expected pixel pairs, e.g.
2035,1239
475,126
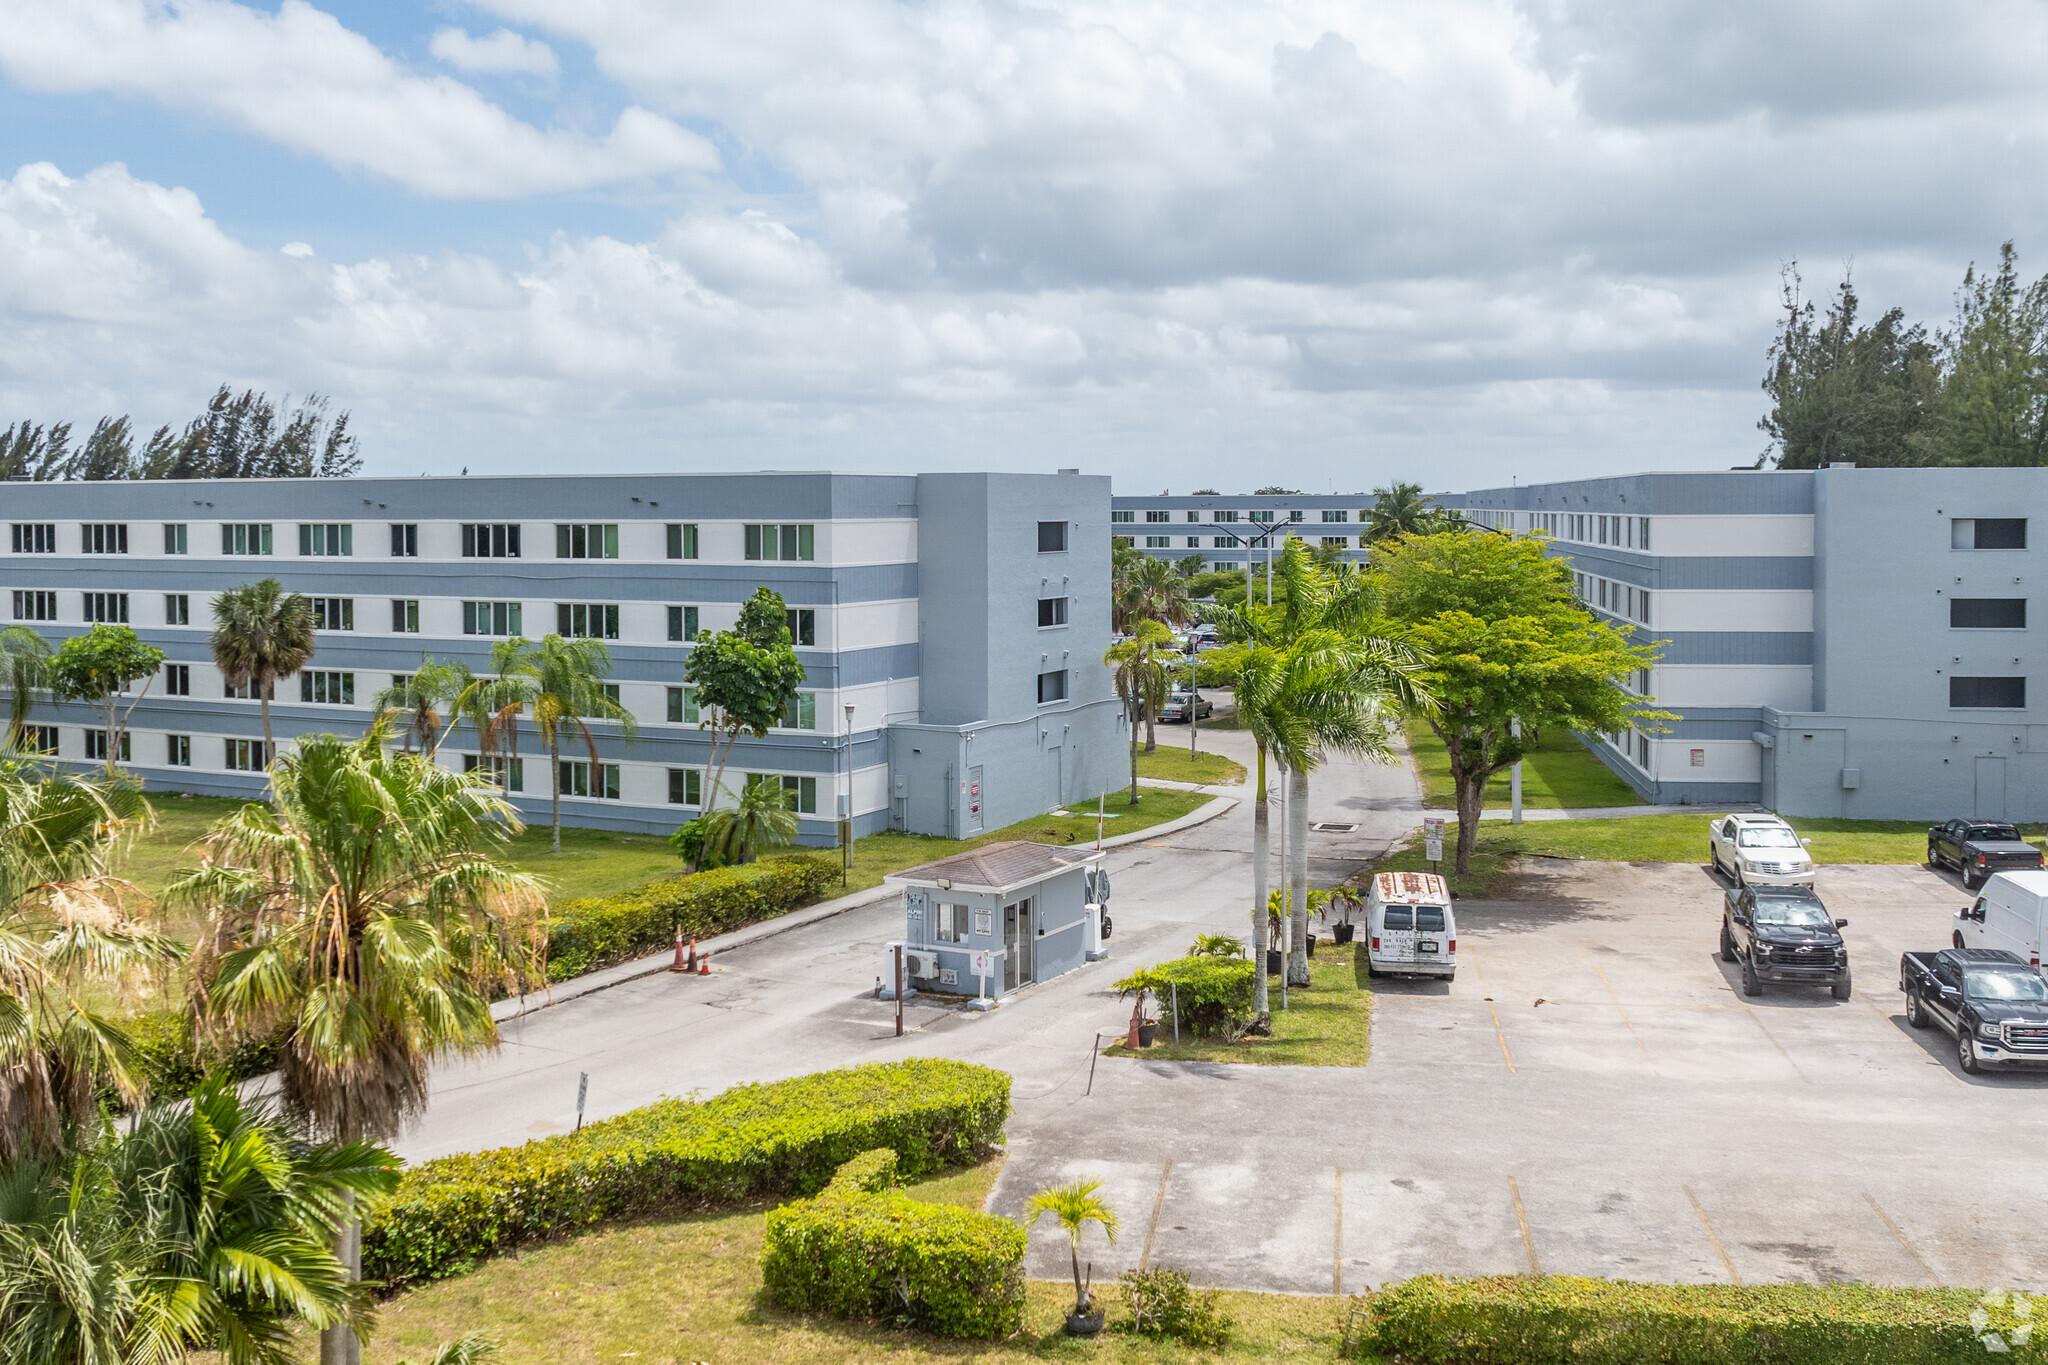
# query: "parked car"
1759,850
1978,848
2012,913
1409,926
1181,702
1992,1001
1784,934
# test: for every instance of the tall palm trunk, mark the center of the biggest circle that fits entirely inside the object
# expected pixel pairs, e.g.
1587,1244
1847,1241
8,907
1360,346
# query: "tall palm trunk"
1134,757
339,1344
263,687
1259,908
555,793
1297,875
1151,724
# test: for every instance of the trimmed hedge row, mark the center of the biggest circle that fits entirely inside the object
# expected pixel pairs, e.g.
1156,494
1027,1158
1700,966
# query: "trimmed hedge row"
787,1137
1568,1320
584,935
864,1250
1213,993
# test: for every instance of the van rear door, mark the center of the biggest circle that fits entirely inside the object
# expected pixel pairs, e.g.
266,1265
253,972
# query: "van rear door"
1432,934
1396,939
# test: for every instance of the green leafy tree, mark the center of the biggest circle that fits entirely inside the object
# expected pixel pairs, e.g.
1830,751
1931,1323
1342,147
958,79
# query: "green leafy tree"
361,918
1507,640
762,819
68,942
1074,1206
1992,408
561,684
25,673
261,633
99,667
745,679
1138,668
1840,390
1144,588
1187,566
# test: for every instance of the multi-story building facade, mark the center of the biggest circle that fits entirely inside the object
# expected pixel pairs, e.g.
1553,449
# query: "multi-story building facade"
1842,642
1231,531
951,626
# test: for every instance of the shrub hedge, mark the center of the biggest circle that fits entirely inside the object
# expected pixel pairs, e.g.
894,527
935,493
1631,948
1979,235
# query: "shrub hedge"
786,1137
1164,1304
1567,1320
1213,993
863,1250
584,935
173,1061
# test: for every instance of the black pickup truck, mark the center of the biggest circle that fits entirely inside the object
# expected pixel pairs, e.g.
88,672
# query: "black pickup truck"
1784,934
1992,1001
1978,848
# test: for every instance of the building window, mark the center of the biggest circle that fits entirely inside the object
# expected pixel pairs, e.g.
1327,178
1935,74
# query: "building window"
685,787
1052,611
1998,694
177,680
682,623
334,613
1052,686
682,540
1643,752
803,791
682,705
245,756
1225,517
106,606
1052,536
1642,533
587,620
405,540
405,616
177,609
1223,542
492,618
39,739
103,538
784,541
802,713
1336,516
245,691
1262,516
1987,613
325,687
507,773
490,540
803,625
178,750
1156,517
174,538
587,540
1158,542
1126,515
952,924
96,745
327,538
245,538
34,605
1987,533
576,779
1336,540
35,537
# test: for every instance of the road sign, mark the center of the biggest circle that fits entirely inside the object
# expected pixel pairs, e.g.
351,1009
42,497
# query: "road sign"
1433,838
1433,849
982,963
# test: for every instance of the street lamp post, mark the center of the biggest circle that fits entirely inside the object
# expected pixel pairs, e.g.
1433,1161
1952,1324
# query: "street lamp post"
846,804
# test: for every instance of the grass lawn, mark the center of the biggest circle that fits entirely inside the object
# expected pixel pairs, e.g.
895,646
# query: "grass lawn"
1560,772
1330,1024
1173,763
688,1289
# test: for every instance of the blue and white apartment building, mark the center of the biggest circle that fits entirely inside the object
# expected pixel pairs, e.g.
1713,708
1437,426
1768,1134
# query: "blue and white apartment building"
1230,531
951,626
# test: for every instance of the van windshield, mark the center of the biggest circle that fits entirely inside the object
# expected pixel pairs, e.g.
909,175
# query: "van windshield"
1429,918
1399,917
2004,986
1768,837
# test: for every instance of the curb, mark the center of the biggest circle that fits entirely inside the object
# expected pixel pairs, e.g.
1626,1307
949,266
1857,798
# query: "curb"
604,979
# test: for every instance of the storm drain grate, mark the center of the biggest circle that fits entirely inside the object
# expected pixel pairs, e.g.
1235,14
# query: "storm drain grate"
1324,827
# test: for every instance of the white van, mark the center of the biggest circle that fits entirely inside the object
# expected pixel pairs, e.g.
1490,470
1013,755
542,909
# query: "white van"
1409,926
2010,913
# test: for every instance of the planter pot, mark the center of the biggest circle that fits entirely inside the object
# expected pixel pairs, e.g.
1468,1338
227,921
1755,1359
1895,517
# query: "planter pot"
1146,1033
1276,962
1084,1324
1311,945
1342,932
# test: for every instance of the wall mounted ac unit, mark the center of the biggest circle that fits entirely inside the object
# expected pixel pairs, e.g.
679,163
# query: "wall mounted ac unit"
921,966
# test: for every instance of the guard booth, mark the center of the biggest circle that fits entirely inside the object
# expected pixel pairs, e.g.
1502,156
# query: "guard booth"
990,920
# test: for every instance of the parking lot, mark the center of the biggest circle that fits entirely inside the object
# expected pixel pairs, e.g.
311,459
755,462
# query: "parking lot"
1592,1095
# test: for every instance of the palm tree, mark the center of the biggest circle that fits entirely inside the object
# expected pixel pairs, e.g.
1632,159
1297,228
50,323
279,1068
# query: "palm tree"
65,935
564,687
764,818
24,672
1075,1205
425,700
1401,510
1140,680
359,918
261,633
1146,588
464,1350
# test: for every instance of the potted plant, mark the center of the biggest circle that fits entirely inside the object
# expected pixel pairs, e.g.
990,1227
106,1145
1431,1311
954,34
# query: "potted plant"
1143,983
1075,1205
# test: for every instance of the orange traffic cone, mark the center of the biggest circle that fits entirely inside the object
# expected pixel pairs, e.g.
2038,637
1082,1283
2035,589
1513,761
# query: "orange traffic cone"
679,967
704,965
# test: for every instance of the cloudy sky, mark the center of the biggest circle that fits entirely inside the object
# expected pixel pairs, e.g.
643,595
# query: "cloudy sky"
1184,242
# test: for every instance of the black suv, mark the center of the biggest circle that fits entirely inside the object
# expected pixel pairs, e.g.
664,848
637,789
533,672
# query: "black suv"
1784,934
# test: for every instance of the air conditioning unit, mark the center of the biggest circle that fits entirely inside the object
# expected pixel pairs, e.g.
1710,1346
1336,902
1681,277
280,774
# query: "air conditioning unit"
921,966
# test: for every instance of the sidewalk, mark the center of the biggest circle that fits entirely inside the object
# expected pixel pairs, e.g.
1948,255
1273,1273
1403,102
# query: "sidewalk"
1599,812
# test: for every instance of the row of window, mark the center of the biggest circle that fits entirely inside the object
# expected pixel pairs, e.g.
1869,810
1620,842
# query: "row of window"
1223,542
480,540
1205,516
1617,599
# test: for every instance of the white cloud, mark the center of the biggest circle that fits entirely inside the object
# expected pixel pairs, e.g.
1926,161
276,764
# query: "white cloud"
299,78
503,53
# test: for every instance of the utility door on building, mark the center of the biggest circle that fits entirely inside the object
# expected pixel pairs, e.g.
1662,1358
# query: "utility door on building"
971,797
1990,789
1017,940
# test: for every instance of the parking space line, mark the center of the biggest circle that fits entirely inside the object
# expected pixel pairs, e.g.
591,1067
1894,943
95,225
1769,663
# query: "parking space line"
1630,1023
1522,1218
1911,1250
1158,1203
1487,991
1337,1240
1734,1276
1772,1039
